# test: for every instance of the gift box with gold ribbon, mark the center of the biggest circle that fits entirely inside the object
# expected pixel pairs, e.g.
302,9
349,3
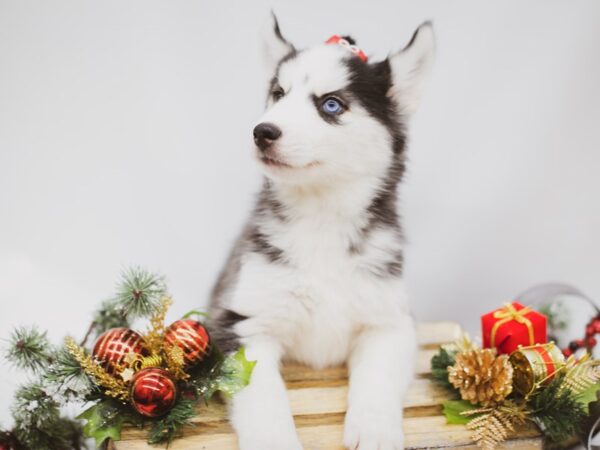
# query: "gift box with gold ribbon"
513,325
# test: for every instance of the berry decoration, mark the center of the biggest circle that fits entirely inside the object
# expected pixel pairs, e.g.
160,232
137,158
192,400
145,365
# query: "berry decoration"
589,342
191,337
114,345
153,392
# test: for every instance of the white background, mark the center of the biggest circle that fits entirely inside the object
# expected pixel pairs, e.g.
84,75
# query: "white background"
125,138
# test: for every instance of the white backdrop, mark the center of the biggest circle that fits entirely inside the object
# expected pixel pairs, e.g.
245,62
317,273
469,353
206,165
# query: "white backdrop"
125,137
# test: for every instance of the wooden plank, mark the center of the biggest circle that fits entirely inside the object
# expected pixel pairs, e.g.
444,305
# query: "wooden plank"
420,433
422,399
432,334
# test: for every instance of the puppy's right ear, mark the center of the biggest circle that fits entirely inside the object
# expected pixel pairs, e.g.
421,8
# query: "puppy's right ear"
275,46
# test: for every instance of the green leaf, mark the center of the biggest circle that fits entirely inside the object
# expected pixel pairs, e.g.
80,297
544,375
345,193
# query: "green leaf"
235,373
588,396
104,421
453,409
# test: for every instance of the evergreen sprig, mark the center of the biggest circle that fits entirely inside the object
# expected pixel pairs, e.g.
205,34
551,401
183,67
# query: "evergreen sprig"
39,424
139,292
29,349
439,366
170,426
558,411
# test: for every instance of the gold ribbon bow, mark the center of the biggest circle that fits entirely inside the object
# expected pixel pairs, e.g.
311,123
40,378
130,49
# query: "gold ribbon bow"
509,313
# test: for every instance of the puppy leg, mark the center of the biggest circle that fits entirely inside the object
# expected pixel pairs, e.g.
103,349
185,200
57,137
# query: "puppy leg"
260,413
381,367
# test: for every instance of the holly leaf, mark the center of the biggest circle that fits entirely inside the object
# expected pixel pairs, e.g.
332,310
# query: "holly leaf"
235,373
588,396
453,409
104,421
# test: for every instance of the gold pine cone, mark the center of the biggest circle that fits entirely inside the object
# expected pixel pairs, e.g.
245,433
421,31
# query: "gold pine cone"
481,376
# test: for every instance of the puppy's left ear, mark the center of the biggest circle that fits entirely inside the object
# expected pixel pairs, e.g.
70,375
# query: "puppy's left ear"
275,46
411,67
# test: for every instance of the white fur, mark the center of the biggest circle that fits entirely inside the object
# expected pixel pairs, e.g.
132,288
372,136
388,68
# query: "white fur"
326,307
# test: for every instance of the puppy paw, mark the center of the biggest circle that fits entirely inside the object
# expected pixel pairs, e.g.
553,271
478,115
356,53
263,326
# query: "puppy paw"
373,429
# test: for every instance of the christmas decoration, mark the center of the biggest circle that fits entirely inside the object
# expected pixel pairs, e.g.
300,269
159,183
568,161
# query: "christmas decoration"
114,345
534,384
492,426
535,365
191,337
128,377
589,342
513,325
153,392
481,376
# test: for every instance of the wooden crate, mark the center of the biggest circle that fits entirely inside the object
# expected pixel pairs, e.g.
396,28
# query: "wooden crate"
318,401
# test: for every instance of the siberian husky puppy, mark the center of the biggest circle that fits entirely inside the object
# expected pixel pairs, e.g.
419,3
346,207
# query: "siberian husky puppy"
316,275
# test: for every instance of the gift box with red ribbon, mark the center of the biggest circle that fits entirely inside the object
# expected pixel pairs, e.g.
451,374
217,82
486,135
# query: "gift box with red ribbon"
513,325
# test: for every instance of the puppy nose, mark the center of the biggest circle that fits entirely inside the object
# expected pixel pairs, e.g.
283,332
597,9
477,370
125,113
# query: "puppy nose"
264,134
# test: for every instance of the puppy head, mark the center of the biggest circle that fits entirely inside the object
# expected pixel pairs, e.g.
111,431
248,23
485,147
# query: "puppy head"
332,116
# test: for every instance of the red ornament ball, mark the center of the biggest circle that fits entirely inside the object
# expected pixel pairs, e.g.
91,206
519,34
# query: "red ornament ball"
153,392
191,337
114,345
591,342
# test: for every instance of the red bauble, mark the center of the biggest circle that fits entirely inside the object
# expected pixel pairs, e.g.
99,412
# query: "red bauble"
191,337
114,345
591,342
153,392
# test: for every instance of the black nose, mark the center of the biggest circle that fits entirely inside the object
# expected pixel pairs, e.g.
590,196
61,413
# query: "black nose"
264,135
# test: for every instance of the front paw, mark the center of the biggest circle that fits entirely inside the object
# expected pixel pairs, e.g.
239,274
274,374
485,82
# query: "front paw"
373,429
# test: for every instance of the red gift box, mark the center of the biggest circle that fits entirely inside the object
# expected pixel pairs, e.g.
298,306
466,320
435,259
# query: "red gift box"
513,325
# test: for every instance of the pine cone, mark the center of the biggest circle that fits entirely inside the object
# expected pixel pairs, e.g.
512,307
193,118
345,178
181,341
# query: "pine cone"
482,377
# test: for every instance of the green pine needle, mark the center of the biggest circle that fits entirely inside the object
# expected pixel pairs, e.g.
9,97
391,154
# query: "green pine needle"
558,411
170,426
139,292
439,366
38,423
110,315
29,349
67,375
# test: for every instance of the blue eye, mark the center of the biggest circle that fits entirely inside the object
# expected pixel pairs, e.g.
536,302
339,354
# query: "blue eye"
332,106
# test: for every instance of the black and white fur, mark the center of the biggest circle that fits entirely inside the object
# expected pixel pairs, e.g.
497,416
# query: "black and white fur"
316,275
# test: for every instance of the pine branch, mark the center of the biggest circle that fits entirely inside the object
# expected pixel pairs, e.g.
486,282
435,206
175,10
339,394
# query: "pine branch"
169,427
439,366
557,410
38,423
139,292
29,349
66,376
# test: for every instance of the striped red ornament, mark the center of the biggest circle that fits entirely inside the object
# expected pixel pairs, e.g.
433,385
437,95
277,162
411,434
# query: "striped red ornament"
191,337
153,392
114,345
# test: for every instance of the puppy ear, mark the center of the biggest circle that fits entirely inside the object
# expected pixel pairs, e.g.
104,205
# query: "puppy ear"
275,46
411,67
